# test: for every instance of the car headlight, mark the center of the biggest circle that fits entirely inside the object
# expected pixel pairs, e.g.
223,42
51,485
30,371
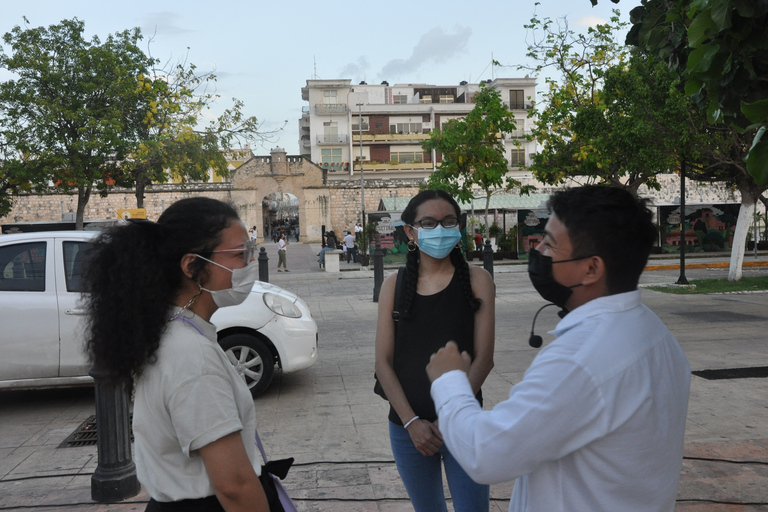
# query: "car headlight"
281,306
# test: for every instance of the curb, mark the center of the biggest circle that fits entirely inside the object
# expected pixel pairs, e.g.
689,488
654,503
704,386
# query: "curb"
717,264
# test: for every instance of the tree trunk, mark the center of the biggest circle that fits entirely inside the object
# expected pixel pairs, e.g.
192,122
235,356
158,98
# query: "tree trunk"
83,196
750,192
140,187
487,207
740,236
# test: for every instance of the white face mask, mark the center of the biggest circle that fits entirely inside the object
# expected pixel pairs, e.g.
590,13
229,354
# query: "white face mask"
242,283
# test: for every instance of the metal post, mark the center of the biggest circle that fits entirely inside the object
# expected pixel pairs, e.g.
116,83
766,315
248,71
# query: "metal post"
263,266
488,257
682,279
754,229
362,181
115,476
378,271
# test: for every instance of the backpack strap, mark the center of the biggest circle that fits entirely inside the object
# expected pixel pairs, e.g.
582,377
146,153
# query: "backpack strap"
398,296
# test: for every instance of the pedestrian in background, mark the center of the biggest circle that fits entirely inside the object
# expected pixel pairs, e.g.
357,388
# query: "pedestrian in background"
152,289
441,298
349,243
281,259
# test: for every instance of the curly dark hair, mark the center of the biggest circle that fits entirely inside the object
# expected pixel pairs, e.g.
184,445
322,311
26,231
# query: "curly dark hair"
133,276
611,223
411,277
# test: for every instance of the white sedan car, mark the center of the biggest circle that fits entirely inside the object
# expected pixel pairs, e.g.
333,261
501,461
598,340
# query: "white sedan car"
41,338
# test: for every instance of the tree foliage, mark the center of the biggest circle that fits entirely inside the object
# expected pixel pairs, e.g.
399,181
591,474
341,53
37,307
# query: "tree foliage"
85,115
612,117
65,117
173,142
719,50
472,149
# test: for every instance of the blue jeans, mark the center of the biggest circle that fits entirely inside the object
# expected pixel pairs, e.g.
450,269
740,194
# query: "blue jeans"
423,477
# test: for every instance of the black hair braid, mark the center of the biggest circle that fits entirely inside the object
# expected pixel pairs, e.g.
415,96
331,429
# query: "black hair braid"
462,267
410,281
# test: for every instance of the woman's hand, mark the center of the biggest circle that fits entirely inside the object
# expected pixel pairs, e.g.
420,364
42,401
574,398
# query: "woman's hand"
426,437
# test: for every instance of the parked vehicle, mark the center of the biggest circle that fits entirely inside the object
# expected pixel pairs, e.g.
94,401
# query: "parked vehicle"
41,319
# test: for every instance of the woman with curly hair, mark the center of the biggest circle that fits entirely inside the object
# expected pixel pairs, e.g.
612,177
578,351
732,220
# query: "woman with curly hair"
441,299
152,289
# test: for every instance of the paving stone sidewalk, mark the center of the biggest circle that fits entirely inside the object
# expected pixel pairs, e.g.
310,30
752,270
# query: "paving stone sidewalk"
328,418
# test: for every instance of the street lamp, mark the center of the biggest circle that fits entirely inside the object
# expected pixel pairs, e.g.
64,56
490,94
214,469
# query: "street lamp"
362,181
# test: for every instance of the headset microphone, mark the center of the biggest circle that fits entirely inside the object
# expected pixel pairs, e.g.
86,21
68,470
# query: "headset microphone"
535,340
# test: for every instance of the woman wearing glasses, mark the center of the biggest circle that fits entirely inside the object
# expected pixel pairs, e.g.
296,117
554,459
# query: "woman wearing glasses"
441,299
153,288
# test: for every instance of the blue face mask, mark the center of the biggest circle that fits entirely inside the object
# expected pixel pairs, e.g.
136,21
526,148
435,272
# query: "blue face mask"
438,242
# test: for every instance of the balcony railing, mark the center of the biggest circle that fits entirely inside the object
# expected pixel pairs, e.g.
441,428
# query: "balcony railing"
333,139
373,137
381,166
323,109
335,167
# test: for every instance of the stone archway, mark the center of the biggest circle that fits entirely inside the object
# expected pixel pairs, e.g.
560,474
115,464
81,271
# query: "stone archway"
280,174
280,213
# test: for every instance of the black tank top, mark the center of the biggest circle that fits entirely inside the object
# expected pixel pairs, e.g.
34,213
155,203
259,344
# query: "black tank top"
434,320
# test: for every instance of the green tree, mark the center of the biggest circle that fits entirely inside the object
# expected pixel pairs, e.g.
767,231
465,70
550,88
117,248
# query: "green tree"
719,50
66,115
171,144
613,118
472,150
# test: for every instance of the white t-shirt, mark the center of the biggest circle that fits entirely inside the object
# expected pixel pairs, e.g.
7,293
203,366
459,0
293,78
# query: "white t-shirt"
349,241
281,245
596,424
190,397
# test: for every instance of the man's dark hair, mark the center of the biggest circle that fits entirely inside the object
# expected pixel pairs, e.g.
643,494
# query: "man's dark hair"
611,223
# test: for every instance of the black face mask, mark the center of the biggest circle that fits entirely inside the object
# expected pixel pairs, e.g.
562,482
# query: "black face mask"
540,272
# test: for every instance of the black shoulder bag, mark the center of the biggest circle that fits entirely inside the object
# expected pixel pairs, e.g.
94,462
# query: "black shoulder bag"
396,318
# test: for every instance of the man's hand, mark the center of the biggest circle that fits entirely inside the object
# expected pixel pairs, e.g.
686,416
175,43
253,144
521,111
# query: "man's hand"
447,359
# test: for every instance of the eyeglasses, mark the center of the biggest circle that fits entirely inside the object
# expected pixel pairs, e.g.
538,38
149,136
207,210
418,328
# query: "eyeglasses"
430,223
248,249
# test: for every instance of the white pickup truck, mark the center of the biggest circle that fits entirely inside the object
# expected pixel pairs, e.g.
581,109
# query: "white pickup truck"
41,342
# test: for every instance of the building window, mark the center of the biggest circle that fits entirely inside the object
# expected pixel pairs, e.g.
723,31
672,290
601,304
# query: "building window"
400,99
407,157
405,128
427,98
356,127
517,157
330,97
331,156
516,100
446,98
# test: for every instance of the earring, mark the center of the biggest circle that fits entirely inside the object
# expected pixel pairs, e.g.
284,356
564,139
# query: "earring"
412,246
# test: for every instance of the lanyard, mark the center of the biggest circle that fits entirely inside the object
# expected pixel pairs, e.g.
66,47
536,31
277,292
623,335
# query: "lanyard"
187,321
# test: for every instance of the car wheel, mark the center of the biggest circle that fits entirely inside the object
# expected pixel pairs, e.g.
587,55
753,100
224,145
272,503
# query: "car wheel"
252,360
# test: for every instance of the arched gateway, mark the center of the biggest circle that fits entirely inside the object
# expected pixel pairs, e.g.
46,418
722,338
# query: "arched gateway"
277,174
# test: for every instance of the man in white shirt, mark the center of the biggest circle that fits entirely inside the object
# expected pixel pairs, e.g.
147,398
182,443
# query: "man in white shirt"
598,421
349,243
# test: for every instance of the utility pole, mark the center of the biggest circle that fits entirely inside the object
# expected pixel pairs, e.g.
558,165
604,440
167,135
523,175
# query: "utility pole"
362,181
682,279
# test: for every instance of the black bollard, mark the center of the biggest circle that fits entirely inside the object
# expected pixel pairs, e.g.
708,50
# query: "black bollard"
378,271
115,476
488,257
263,266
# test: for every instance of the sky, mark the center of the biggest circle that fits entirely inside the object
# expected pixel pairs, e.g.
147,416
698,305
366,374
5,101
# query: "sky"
264,52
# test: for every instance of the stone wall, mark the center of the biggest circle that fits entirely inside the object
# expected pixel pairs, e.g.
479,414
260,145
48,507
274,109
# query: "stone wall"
335,204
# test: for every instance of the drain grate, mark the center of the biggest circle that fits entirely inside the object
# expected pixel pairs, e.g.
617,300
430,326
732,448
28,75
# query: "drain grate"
754,372
86,434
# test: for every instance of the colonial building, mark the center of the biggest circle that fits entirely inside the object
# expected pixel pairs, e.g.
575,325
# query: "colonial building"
383,125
